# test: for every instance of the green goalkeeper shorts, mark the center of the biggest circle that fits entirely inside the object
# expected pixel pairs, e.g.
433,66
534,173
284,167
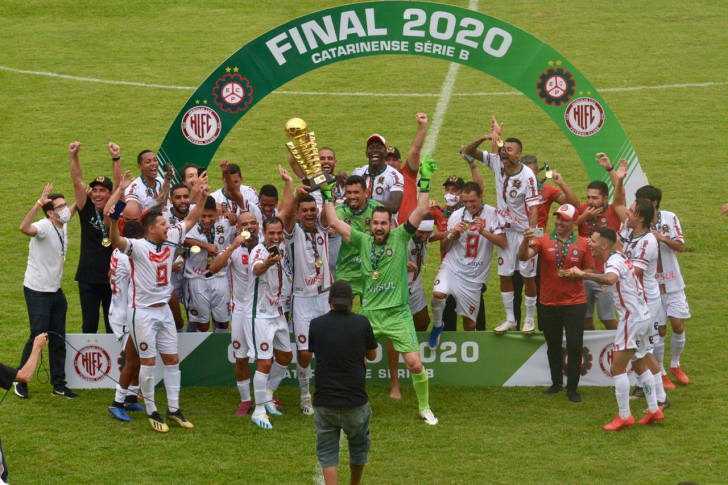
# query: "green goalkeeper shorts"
397,325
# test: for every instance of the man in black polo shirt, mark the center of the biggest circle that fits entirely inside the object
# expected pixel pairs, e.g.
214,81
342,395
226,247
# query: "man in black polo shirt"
341,341
93,263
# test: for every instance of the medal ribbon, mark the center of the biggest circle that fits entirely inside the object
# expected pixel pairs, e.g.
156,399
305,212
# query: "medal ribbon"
62,240
420,258
101,223
209,236
312,242
371,180
562,249
231,202
152,190
375,263
462,216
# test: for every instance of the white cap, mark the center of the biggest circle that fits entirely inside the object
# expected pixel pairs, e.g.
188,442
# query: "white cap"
376,137
567,211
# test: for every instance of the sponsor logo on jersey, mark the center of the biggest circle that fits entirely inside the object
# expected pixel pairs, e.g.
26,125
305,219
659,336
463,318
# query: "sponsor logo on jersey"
556,86
516,183
380,180
92,363
315,281
232,93
584,116
380,288
665,229
201,125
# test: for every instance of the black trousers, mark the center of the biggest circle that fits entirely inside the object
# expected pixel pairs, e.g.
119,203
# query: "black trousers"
92,297
553,321
47,312
450,317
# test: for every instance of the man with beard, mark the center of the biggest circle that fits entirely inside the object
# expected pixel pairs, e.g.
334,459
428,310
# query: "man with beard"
383,272
180,197
236,258
408,170
666,228
597,212
207,293
93,263
150,318
517,196
632,340
144,190
473,231
306,234
383,183
268,335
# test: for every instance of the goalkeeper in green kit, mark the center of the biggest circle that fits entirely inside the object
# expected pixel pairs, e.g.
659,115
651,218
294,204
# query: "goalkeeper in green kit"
385,294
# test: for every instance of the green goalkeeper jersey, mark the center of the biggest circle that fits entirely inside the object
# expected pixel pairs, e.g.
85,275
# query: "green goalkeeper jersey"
348,266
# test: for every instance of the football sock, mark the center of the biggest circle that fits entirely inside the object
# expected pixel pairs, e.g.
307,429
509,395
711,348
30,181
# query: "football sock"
438,306
530,306
146,382
304,375
120,395
220,330
172,380
422,389
260,383
659,354
659,388
648,385
621,390
244,390
277,372
508,305
677,344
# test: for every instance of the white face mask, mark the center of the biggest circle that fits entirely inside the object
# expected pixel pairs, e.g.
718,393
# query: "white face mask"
451,199
64,216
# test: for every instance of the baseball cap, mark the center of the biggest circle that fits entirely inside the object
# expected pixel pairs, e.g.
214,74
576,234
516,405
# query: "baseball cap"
567,211
454,180
103,180
376,137
393,152
340,293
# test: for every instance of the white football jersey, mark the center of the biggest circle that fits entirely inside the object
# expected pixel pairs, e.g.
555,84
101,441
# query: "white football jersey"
144,194
303,250
668,269
471,254
644,253
151,268
241,280
629,297
416,253
119,278
382,184
268,287
515,193
249,194
221,234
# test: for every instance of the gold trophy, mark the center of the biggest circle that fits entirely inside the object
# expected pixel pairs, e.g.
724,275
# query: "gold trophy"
303,148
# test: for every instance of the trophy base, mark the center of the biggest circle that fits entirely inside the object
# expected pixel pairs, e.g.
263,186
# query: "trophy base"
319,181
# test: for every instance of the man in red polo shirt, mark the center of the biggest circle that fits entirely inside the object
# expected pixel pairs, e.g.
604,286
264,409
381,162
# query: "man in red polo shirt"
562,303
597,212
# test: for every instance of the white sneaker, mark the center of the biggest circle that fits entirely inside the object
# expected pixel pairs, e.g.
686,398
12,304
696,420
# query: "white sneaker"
505,327
307,406
428,417
529,326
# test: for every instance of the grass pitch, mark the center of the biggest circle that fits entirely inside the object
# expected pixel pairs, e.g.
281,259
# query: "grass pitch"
485,435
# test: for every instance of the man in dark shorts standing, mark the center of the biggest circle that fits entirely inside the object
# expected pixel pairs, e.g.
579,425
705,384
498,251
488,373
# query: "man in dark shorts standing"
341,341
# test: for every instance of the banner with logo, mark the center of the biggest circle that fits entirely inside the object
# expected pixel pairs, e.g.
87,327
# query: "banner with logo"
463,359
424,29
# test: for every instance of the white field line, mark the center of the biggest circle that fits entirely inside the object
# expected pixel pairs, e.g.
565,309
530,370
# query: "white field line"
346,94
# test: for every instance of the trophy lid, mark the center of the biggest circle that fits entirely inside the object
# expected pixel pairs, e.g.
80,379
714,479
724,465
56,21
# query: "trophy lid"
295,128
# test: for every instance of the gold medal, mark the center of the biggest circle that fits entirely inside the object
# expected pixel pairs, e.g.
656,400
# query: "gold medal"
560,272
549,174
245,234
319,262
500,143
375,274
106,242
195,249
209,259
63,260
467,226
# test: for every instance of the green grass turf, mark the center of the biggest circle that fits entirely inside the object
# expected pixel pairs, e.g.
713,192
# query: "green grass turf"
485,435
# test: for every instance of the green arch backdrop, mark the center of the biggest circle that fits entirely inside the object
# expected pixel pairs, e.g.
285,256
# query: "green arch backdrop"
434,30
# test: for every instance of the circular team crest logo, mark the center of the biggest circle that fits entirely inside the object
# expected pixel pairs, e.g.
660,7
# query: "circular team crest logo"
586,360
513,194
221,240
605,360
233,93
92,363
584,116
301,339
389,252
236,344
665,228
604,220
143,346
437,282
379,190
264,346
201,125
556,86
320,241
193,312
500,261
575,252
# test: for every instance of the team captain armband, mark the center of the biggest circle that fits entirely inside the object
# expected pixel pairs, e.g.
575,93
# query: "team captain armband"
409,227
